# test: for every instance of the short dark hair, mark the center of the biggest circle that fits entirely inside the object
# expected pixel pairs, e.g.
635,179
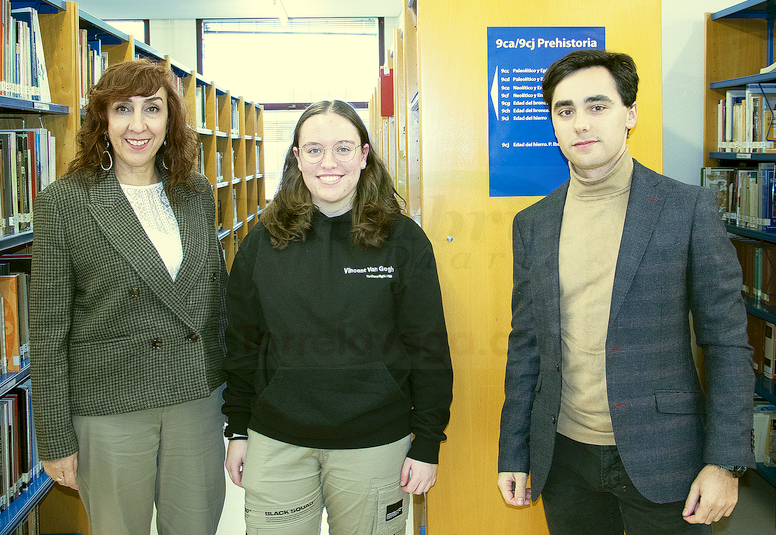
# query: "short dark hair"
621,66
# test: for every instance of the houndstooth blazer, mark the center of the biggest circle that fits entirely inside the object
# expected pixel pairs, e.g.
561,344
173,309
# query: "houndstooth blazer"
674,258
110,331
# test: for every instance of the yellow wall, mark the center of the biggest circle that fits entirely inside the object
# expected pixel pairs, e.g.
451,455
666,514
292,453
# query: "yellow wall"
475,267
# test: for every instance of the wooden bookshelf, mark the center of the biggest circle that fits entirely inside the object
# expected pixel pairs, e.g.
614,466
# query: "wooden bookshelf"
236,143
739,42
18,509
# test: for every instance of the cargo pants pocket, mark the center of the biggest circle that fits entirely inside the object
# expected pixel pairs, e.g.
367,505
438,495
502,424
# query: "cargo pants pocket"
386,512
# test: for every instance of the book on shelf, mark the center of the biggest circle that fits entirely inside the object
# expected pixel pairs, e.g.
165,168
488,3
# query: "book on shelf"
6,488
23,72
764,413
760,338
234,208
745,197
31,524
745,119
34,61
235,118
770,444
28,164
92,62
15,292
19,460
201,107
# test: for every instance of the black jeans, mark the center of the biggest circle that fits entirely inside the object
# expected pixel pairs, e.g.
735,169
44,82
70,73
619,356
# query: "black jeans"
588,493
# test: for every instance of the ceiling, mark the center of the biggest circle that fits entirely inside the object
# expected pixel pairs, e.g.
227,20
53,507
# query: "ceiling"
210,9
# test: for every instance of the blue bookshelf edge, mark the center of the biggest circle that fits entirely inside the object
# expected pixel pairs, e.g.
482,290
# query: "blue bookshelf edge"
18,509
10,380
754,9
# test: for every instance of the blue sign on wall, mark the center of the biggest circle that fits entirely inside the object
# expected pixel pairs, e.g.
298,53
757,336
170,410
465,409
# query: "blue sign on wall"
524,156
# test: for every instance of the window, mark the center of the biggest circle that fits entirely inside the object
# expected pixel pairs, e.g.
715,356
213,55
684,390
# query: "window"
136,28
278,134
304,60
291,63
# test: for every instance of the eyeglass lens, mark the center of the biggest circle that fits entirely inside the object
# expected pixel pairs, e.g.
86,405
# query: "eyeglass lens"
342,152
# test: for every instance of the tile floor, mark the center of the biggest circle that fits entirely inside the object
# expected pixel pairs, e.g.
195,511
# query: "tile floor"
755,513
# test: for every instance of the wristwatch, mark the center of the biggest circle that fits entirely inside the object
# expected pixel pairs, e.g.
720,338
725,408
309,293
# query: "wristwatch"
737,471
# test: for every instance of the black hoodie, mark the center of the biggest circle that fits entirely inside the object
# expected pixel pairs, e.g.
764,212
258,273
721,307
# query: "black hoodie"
334,346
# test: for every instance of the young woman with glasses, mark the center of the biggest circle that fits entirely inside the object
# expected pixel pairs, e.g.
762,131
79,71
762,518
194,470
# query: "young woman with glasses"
339,374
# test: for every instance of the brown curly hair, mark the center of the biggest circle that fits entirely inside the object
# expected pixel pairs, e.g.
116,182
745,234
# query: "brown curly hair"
375,206
120,82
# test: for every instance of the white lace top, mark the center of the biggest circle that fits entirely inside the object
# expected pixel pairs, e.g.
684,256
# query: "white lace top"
155,214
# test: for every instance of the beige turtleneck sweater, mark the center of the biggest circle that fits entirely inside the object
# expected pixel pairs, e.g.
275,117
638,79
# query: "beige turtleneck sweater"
593,219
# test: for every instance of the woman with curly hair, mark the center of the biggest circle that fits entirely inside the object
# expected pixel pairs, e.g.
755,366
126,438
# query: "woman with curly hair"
127,315
339,378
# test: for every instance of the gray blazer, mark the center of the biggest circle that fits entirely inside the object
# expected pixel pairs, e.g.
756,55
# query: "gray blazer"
675,258
110,332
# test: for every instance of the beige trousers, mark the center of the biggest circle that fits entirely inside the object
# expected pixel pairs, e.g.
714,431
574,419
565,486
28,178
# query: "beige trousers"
286,488
169,456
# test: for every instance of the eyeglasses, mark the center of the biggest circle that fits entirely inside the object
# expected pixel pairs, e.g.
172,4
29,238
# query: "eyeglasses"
342,151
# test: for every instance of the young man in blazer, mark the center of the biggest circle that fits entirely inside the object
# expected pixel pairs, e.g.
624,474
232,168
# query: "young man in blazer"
604,406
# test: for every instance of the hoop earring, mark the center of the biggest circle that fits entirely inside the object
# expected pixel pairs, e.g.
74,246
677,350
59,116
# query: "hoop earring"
110,158
164,163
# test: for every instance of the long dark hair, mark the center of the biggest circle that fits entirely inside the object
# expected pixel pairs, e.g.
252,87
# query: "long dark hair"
375,205
120,82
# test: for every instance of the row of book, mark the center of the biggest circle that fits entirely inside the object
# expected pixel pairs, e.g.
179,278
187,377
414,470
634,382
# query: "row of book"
745,197
14,312
31,524
764,432
92,62
200,112
200,109
758,264
19,461
23,73
762,337
745,119
27,165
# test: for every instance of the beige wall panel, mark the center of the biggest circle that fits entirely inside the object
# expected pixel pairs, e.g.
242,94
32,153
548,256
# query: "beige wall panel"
471,233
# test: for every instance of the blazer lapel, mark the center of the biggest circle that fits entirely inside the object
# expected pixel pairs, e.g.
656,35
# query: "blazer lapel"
117,220
646,200
194,230
547,242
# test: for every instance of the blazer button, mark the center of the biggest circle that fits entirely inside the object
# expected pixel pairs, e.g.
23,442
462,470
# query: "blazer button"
557,367
192,337
554,420
213,277
156,343
134,292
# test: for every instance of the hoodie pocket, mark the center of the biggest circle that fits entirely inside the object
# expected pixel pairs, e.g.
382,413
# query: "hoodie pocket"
337,402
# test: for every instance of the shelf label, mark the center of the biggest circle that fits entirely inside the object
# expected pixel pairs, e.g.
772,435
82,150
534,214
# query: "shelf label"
524,156
43,106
